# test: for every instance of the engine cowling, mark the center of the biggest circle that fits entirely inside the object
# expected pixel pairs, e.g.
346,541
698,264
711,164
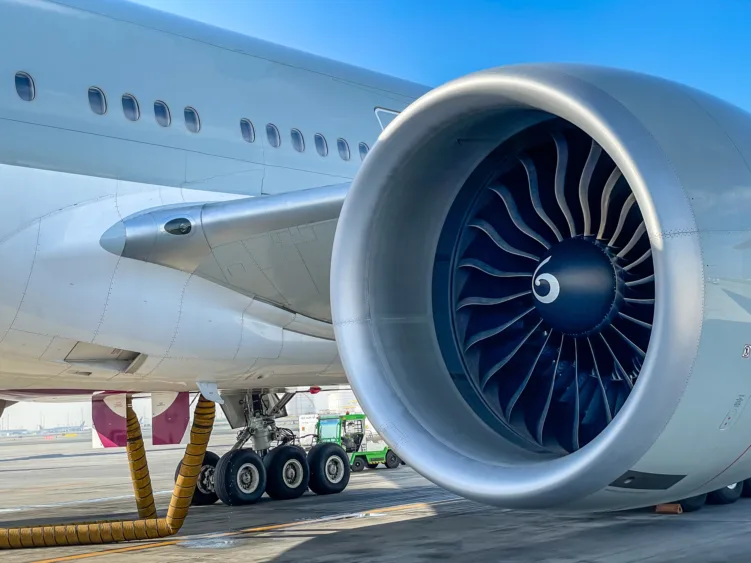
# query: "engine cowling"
540,288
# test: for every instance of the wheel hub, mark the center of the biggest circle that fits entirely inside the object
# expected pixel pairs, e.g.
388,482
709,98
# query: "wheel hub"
292,473
247,478
206,477
334,469
575,287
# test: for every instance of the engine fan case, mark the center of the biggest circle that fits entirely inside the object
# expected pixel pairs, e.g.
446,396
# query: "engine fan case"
685,154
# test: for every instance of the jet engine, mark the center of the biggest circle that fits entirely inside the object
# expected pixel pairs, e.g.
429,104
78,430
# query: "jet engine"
540,288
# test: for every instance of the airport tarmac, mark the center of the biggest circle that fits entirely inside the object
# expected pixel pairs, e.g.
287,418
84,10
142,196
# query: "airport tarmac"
383,516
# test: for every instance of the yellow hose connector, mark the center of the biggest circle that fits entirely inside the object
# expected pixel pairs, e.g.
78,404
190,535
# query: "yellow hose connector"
147,527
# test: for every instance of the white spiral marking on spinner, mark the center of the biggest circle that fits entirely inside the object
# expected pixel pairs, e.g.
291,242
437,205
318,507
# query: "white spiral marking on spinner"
555,287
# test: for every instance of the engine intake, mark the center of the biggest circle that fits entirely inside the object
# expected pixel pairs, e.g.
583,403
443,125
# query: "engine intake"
518,287
551,286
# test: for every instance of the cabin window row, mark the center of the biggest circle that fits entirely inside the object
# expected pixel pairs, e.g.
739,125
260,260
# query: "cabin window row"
26,90
274,139
132,111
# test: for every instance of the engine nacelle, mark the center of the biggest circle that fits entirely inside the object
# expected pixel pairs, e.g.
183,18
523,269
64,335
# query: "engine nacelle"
540,288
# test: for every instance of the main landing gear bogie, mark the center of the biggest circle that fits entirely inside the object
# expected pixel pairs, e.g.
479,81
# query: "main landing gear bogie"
725,495
241,477
273,461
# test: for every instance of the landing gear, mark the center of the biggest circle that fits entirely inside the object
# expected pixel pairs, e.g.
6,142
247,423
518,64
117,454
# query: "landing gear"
272,464
240,477
693,504
329,469
287,472
726,495
205,492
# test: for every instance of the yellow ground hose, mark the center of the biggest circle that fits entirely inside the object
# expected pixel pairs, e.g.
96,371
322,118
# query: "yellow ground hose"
139,468
145,528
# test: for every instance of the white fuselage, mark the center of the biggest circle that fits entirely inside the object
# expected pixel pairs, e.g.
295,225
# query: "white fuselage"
68,308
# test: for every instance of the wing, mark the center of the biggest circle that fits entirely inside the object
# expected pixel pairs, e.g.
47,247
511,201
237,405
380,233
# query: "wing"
276,248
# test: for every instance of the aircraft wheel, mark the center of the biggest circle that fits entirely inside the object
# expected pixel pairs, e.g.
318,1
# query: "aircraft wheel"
693,504
392,460
726,495
240,477
329,469
287,473
205,493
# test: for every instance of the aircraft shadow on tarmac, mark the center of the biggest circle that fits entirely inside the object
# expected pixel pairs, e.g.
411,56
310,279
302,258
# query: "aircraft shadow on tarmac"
465,531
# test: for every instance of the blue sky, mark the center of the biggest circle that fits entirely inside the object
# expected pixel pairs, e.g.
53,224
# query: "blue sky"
704,43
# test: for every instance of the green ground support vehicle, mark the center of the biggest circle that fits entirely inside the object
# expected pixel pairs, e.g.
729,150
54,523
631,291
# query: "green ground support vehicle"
348,430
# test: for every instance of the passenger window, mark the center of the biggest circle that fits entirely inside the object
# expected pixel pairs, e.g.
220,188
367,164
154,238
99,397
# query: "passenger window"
272,134
298,142
192,121
162,114
363,151
97,101
247,130
25,87
343,147
130,108
321,146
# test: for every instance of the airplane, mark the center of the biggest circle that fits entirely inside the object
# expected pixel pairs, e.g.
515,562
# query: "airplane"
533,277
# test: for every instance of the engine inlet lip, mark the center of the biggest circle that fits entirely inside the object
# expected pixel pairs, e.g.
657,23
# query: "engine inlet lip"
569,92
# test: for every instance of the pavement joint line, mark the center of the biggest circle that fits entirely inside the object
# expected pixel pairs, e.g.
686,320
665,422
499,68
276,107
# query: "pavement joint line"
253,530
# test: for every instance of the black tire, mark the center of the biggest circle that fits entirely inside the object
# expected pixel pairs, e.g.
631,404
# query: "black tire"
205,493
287,472
240,478
392,460
373,465
726,495
693,504
329,469
358,464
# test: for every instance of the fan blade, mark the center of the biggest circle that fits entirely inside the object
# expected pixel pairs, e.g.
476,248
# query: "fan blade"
466,302
603,394
516,217
489,230
508,357
535,194
615,175
490,270
546,408
630,200
561,148
641,281
485,334
640,230
525,381
619,368
641,259
631,345
589,167
636,321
